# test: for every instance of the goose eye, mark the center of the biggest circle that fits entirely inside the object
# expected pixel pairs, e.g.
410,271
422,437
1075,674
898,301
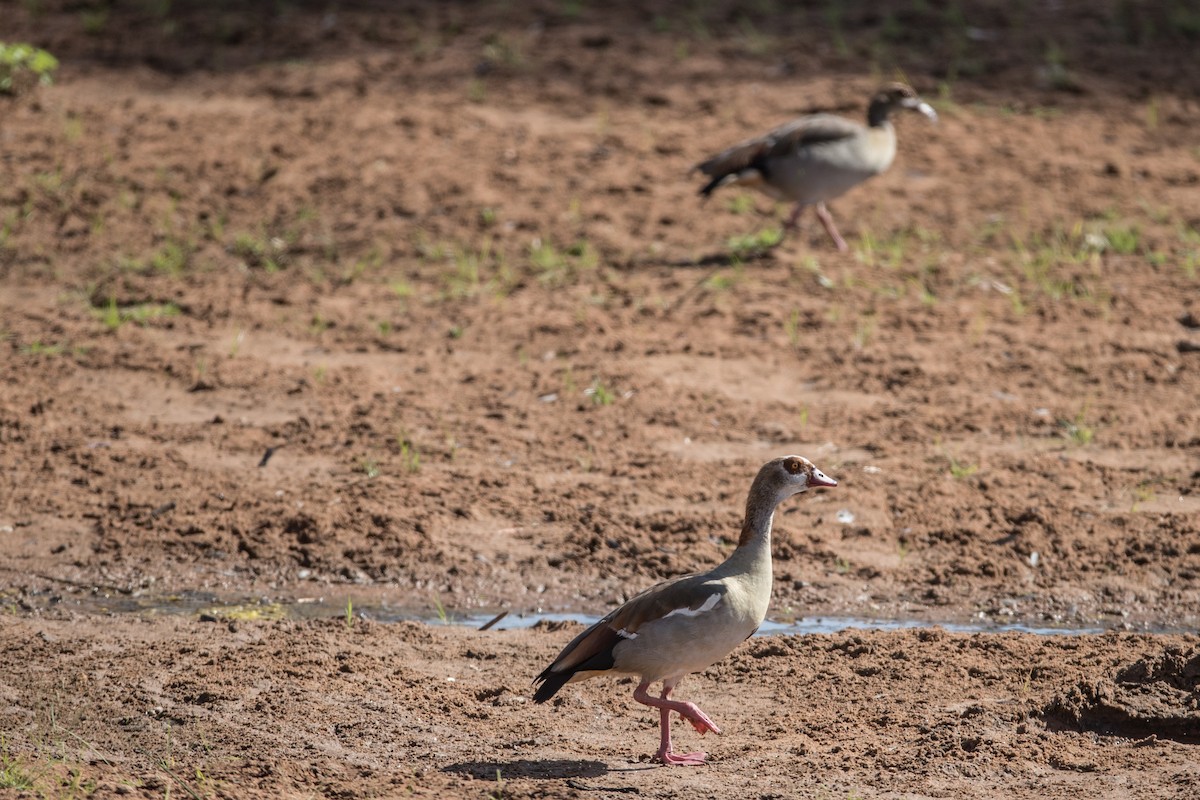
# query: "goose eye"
792,465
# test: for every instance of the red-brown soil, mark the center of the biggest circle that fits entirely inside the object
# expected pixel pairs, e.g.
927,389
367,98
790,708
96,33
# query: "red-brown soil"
415,306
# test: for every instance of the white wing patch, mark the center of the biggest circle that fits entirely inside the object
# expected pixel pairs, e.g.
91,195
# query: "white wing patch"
709,605
624,634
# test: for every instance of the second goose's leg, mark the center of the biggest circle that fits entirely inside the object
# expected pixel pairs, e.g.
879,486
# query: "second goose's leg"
827,220
793,218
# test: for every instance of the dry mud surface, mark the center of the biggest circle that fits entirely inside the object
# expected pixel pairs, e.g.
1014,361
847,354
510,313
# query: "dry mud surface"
413,307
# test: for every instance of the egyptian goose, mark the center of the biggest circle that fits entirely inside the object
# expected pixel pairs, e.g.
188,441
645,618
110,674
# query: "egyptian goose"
816,158
688,623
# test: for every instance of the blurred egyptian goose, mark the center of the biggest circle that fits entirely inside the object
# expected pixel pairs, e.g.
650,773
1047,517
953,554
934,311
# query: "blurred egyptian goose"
816,158
689,623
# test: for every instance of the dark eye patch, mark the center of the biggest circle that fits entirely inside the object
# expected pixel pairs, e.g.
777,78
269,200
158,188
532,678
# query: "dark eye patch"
792,465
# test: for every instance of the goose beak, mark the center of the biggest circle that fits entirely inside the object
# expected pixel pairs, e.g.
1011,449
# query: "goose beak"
821,479
916,104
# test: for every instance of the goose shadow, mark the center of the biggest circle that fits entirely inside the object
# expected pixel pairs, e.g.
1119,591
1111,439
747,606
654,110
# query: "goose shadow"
717,259
529,768
723,258
711,264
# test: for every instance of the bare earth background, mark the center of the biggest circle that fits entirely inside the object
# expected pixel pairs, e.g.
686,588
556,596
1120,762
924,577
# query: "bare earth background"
444,264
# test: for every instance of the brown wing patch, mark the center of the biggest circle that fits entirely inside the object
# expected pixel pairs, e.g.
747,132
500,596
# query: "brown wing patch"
808,132
684,592
622,623
747,161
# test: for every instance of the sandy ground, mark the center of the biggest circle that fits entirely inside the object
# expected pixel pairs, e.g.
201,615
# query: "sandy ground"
415,307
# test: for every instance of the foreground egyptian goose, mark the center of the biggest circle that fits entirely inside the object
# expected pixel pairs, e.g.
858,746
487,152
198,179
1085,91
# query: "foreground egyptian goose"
688,623
816,158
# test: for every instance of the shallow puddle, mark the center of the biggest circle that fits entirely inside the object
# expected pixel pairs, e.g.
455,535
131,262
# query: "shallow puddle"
212,607
813,624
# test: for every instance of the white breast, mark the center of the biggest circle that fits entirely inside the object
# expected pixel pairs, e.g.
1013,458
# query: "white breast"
823,172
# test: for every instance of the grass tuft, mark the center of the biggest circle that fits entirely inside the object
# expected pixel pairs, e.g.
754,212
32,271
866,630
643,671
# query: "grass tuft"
601,395
410,457
751,243
959,470
440,609
1076,430
114,316
39,348
557,267
13,775
23,66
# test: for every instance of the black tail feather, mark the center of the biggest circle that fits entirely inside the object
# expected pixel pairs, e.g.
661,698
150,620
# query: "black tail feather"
551,683
713,185
601,637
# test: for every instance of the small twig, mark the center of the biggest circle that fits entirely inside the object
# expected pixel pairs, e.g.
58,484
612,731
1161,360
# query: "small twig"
164,508
267,455
493,620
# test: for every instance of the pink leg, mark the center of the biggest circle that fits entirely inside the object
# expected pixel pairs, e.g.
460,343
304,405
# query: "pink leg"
790,223
827,220
688,711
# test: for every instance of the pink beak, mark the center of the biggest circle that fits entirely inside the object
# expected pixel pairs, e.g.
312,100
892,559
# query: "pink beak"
821,479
